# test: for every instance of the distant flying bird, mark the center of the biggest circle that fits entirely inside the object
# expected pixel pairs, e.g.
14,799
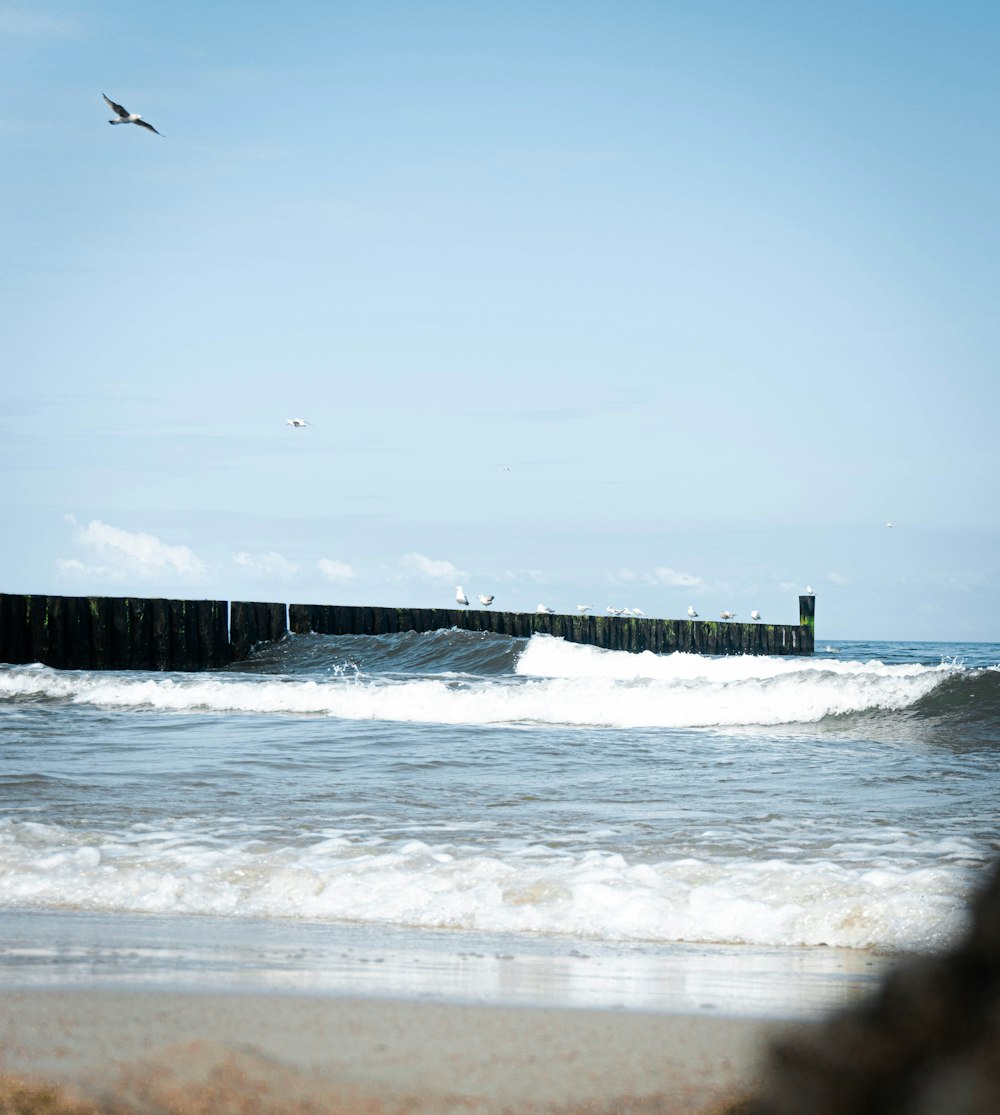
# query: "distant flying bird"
544,610
460,597
505,468
889,525
298,423
755,616
692,614
486,601
126,117
584,607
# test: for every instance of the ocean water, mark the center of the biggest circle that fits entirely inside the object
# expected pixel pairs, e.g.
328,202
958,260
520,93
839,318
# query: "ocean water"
467,816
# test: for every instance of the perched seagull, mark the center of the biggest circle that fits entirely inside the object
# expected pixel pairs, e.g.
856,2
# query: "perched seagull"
755,616
544,610
460,597
637,611
692,614
584,607
809,591
298,423
486,601
613,611
126,117
727,615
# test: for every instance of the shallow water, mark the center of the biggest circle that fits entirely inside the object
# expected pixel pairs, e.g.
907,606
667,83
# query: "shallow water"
471,816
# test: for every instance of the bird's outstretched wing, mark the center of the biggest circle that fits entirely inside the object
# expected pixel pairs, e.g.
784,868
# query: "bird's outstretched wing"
115,108
143,124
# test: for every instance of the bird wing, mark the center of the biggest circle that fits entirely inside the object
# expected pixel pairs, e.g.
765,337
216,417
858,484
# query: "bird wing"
143,124
115,108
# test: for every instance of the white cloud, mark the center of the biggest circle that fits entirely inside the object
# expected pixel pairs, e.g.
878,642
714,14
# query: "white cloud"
72,567
837,579
664,575
667,576
623,577
270,564
336,571
430,567
133,552
536,576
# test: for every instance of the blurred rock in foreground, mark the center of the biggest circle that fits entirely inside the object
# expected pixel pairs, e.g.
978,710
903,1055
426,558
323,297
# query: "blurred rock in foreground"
927,1043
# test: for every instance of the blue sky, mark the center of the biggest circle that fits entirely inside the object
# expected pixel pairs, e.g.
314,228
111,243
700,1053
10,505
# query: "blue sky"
641,304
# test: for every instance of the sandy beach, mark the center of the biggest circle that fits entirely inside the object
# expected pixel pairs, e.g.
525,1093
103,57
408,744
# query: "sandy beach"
181,1051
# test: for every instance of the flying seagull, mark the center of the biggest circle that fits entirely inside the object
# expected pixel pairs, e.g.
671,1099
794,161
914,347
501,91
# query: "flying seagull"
126,117
460,597
298,423
486,600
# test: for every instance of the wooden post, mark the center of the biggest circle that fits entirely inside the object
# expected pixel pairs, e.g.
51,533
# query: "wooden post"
56,649
251,623
140,634
807,622
13,629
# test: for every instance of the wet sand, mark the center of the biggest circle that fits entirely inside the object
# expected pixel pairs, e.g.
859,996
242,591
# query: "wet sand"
182,1051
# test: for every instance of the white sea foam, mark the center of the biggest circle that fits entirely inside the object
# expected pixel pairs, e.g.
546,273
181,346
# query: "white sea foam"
557,683
591,894
545,656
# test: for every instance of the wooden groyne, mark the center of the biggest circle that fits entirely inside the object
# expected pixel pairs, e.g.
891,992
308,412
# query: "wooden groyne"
128,633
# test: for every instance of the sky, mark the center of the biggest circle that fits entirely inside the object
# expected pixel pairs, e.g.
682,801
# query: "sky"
633,304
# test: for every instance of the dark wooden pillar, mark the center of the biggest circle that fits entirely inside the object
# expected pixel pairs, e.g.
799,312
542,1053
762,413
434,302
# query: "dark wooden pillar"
807,621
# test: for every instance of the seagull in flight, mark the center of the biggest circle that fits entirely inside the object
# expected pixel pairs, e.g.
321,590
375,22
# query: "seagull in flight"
460,597
486,600
297,423
126,117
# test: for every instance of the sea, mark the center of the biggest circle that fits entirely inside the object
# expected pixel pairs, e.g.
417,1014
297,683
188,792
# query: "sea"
459,816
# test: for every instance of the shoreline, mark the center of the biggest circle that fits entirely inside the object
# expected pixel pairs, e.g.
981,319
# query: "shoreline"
77,949
296,1052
